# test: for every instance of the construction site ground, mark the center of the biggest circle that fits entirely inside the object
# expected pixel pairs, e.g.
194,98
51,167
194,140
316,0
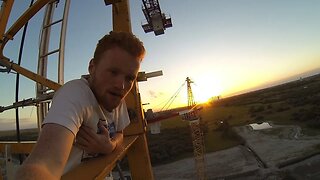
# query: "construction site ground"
280,152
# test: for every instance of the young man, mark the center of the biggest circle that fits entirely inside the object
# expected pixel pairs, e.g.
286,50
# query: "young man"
87,115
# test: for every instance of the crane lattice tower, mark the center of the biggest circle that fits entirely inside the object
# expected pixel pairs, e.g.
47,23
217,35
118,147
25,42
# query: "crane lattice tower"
191,102
196,133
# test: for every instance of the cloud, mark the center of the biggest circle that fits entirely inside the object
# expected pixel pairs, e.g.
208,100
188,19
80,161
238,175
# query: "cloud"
154,94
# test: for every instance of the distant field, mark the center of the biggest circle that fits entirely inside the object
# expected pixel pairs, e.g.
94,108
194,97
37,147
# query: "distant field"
291,103
25,135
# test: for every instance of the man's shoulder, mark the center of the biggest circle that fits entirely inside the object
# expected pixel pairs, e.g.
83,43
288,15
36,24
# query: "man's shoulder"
75,89
77,82
75,85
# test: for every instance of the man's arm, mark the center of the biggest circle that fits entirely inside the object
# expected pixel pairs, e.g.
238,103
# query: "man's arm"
50,154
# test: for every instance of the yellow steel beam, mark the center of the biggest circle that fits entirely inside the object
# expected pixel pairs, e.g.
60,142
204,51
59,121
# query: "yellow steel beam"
122,22
4,16
23,19
98,168
121,16
139,160
138,154
29,74
18,148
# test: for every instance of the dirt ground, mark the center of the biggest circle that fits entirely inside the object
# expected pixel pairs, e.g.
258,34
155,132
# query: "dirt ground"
281,152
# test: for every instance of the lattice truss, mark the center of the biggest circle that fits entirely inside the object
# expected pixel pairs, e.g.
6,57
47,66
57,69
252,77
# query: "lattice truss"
198,148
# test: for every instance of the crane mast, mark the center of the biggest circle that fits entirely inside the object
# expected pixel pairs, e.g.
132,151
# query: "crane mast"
196,133
191,102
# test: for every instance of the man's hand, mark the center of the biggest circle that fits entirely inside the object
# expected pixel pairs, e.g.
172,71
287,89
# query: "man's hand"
92,142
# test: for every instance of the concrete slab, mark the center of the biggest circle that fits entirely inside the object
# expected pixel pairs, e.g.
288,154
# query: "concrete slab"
283,150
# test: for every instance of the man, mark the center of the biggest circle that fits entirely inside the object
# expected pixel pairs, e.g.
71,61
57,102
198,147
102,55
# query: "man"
87,115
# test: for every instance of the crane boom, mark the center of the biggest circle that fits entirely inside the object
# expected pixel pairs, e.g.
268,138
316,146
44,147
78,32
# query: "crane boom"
156,20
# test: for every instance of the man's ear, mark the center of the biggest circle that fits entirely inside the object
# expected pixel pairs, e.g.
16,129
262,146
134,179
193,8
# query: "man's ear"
91,66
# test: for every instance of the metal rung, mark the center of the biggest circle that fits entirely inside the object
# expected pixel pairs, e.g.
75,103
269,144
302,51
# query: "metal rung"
28,102
53,23
43,90
46,96
54,1
49,53
4,70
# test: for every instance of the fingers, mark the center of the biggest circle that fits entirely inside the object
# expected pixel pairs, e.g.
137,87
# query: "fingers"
85,136
85,148
103,130
81,146
86,131
88,140
81,140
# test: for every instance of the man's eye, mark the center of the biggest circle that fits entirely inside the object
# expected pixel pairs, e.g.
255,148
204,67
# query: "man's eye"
113,72
130,79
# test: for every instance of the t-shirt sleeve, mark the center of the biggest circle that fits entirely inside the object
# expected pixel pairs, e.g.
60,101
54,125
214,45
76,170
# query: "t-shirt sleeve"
67,107
124,119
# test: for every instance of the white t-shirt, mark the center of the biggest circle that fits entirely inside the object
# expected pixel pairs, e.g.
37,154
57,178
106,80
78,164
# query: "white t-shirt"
74,104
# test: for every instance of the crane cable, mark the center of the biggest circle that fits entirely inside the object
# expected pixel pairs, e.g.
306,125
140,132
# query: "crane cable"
18,76
172,98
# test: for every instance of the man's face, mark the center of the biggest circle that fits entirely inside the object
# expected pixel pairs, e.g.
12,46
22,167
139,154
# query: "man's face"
112,77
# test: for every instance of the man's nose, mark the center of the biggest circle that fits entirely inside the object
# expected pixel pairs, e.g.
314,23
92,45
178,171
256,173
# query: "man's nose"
120,83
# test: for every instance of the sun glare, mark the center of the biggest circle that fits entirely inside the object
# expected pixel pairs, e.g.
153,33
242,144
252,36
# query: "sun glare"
205,88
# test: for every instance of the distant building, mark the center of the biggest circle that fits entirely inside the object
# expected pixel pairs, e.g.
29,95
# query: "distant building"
154,126
149,114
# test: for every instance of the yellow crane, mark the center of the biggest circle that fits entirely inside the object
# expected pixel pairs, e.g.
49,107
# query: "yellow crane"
192,115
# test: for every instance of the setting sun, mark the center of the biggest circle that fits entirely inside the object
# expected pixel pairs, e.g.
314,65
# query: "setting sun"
205,88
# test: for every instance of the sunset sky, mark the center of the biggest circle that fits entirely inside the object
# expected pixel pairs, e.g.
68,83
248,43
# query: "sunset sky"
226,47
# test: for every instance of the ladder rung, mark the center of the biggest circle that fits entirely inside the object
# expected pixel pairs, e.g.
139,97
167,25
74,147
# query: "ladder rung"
54,1
49,53
53,23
